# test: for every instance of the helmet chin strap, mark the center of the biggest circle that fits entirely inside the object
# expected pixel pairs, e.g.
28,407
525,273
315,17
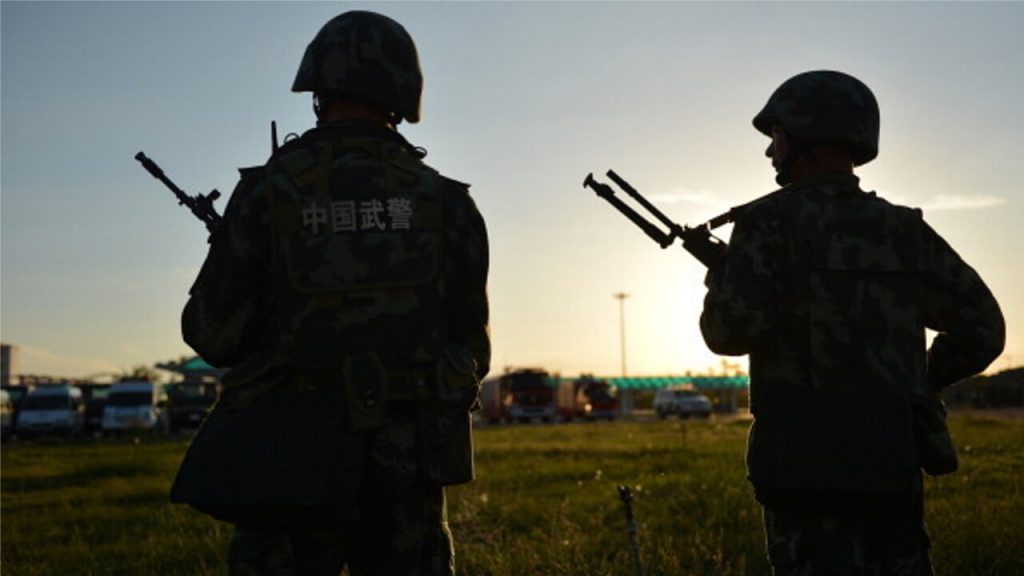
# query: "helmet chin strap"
784,174
317,108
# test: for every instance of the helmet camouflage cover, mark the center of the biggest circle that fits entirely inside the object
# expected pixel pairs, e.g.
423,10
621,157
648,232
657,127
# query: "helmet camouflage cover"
824,106
366,57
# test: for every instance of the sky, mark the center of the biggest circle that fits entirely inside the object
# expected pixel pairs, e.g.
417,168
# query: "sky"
522,101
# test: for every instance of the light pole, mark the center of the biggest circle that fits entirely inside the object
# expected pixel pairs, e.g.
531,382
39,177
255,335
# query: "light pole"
621,297
627,394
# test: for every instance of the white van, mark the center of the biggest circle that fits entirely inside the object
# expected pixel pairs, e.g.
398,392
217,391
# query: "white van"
683,401
135,405
51,410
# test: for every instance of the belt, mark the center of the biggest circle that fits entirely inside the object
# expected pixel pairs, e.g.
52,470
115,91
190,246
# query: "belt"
402,385
411,385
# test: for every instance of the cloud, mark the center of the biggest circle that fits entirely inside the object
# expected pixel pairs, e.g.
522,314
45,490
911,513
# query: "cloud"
945,202
689,196
718,200
39,361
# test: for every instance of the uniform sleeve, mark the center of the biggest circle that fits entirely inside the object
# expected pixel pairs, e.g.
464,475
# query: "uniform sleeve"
960,307
220,320
740,305
466,280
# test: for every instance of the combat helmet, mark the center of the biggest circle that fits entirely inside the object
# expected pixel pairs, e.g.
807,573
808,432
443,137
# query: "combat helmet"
367,57
825,107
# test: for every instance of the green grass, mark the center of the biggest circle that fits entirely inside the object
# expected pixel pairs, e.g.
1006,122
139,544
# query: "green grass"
544,502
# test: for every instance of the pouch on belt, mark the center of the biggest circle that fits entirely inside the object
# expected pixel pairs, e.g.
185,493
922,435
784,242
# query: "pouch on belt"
274,453
935,450
445,429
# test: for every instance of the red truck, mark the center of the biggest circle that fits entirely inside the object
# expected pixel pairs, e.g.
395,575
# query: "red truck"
588,398
518,396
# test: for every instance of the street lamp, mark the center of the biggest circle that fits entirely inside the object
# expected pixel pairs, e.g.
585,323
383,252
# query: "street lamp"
621,297
627,394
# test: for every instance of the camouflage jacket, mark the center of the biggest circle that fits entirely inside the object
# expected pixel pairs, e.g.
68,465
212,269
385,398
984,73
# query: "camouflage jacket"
411,275
830,289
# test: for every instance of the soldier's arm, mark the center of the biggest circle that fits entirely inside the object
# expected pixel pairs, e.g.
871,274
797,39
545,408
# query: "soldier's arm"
740,304
961,308
466,278
218,319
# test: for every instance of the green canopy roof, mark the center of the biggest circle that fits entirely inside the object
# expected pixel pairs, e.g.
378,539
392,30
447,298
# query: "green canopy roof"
196,364
658,382
698,382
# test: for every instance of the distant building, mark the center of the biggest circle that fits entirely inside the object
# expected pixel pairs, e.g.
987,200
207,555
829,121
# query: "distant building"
10,364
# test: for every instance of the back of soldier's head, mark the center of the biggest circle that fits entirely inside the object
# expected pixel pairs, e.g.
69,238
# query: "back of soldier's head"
364,57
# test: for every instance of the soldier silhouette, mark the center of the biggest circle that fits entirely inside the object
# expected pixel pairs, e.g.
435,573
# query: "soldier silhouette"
829,289
346,290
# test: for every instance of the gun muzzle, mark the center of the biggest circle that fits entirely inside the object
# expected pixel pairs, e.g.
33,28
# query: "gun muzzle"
150,166
602,190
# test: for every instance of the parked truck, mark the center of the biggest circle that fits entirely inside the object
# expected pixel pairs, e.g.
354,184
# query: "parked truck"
189,404
588,398
518,396
95,396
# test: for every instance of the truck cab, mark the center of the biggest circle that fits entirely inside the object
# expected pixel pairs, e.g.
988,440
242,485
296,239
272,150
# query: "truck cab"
588,398
519,396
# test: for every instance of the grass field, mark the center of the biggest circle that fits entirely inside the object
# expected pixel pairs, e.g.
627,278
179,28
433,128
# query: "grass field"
545,502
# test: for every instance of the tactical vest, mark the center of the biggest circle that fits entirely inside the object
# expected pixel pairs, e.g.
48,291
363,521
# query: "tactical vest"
356,254
863,294
832,391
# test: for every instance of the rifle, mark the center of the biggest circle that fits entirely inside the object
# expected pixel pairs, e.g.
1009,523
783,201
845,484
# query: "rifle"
201,206
634,546
698,240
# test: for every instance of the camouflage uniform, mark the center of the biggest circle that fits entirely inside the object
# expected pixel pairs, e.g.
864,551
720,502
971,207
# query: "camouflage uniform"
346,289
829,289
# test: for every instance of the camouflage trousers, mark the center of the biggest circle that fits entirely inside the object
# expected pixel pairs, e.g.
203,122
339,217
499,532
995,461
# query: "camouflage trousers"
848,536
400,526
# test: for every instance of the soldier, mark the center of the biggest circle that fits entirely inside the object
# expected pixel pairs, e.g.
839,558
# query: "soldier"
346,291
829,289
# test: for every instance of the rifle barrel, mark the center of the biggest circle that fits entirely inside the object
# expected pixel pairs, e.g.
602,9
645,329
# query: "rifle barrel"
200,206
157,173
